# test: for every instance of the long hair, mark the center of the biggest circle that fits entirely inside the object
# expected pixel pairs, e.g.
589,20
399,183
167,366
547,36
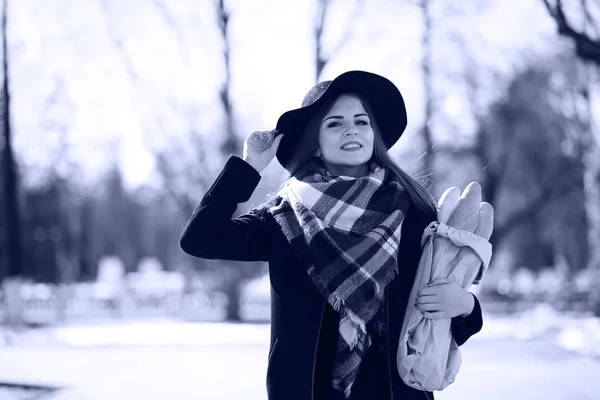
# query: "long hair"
309,144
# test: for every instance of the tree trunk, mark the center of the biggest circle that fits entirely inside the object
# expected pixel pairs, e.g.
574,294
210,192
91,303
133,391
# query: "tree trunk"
232,291
14,255
65,281
426,64
591,185
590,146
64,249
320,60
231,145
323,7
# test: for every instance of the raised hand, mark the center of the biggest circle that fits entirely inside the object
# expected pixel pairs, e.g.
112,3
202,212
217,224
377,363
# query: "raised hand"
260,148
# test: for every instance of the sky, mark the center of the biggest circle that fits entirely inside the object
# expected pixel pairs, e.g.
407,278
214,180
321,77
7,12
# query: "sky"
110,80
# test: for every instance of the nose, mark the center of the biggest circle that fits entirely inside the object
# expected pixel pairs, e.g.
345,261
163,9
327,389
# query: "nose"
351,132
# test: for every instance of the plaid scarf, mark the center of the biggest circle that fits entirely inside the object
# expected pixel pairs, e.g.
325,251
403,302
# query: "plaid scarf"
349,231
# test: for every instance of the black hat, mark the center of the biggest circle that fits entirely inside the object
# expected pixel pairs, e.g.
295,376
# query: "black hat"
382,95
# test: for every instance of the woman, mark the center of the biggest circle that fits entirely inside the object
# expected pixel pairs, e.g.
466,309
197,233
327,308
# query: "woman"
342,239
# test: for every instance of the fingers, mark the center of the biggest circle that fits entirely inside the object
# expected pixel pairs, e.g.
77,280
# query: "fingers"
428,303
439,281
432,310
436,305
427,299
430,290
435,315
260,140
429,307
266,136
434,287
432,227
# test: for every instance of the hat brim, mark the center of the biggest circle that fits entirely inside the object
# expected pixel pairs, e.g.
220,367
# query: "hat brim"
383,96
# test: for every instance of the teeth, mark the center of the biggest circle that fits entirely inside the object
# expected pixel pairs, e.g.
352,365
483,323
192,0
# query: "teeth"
351,146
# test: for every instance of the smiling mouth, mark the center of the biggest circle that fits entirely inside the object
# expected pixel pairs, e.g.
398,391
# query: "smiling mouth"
351,146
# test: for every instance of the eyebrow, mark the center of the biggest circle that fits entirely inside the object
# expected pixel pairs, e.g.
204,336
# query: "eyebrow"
340,117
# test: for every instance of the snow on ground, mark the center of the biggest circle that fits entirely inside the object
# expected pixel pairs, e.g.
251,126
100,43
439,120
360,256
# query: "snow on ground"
498,370
162,358
154,332
535,322
578,333
160,333
583,337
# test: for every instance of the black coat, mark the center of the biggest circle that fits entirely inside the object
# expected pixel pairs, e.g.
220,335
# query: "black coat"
297,308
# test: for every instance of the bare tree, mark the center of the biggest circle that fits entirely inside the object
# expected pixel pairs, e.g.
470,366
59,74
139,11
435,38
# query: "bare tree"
495,150
183,168
321,58
12,210
232,144
587,47
183,165
61,175
426,67
236,272
587,41
590,144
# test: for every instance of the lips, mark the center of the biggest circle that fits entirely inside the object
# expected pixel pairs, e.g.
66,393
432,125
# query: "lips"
351,146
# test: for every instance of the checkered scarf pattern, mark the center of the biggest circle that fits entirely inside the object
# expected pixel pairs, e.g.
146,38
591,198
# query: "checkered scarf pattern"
349,231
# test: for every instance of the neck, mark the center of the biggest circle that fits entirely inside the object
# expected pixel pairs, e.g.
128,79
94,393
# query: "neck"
355,171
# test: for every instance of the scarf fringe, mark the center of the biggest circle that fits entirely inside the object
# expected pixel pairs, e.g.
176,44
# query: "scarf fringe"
338,304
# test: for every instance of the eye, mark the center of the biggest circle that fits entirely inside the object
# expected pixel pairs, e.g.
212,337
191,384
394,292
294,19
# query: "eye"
362,122
333,124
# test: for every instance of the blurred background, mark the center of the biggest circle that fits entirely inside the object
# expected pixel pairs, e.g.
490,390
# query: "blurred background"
118,115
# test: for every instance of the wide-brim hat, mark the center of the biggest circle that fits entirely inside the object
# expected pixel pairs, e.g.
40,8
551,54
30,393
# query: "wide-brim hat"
383,97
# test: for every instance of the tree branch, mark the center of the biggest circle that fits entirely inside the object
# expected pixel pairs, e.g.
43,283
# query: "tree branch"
549,193
172,22
586,48
319,27
426,69
348,27
589,19
118,43
321,18
169,175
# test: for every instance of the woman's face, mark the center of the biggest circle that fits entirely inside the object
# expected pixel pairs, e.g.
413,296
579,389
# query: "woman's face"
346,138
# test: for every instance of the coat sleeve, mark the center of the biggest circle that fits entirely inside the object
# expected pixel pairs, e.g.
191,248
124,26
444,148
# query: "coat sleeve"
212,233
465,327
